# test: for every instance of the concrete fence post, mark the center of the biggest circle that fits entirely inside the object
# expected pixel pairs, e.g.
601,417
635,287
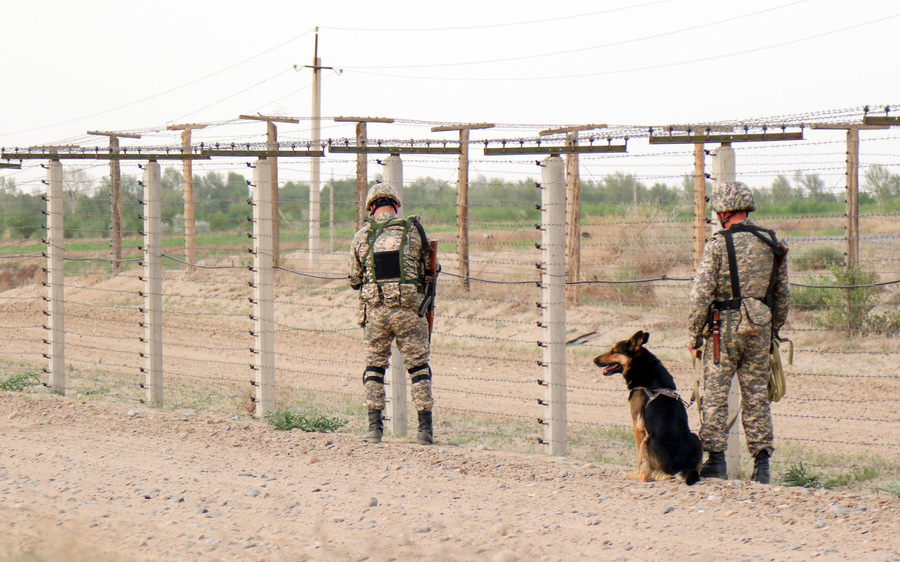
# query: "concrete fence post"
56,279
724,169
396,404
263,289
153,346
553,299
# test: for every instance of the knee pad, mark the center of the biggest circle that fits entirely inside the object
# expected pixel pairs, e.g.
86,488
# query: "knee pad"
374,374
420,373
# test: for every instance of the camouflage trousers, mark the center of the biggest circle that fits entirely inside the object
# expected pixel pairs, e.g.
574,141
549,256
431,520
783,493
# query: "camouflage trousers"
748,358
384,325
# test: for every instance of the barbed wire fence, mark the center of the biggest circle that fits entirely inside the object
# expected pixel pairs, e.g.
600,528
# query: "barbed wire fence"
489,339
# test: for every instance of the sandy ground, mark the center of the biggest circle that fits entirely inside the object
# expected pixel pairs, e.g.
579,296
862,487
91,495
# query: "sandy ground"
97,480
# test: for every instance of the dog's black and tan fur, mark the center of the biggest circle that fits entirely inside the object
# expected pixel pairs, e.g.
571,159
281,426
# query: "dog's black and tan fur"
665,444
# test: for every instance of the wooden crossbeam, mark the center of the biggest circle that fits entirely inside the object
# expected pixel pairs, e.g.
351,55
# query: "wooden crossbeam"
378,149
577,149
727,137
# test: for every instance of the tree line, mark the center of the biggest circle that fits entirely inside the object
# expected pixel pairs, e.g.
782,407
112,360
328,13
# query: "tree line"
221,200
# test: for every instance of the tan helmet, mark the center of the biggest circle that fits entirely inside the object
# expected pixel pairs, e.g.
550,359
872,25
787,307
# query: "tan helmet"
382,190
732,196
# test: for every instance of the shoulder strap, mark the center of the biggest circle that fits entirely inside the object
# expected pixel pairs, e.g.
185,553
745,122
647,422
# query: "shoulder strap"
732,265
426,248
771,240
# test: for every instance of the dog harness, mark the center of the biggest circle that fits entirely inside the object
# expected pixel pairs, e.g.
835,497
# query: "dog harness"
654,393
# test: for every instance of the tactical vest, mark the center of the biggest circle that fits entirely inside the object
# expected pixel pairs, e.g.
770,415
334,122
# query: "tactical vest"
393,273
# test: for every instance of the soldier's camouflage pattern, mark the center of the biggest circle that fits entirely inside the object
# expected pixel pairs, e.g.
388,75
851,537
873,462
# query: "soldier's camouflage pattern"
388,310
745,336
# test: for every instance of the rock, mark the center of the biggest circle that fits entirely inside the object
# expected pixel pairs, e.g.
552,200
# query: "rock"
668,509
505,556
373,502
13,415
500,529
836,509
253,492
819,524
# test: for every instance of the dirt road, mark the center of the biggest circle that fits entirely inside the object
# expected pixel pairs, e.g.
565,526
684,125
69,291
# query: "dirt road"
86,480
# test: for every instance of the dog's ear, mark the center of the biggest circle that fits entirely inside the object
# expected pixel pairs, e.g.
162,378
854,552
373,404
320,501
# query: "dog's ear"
637,340
646,337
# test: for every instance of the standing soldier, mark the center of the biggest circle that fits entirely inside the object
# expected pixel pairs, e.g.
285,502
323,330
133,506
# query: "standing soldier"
387,266
739,300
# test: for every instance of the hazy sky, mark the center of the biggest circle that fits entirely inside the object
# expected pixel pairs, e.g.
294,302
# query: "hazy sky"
70,67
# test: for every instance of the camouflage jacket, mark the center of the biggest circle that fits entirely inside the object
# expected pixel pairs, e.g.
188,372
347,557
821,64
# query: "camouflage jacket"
401,260
712,281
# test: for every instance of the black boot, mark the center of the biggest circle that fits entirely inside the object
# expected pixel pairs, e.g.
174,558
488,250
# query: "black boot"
761,467
714,467
376,427
426,432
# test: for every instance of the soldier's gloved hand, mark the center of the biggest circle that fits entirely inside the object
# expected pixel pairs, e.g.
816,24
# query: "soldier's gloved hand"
355,285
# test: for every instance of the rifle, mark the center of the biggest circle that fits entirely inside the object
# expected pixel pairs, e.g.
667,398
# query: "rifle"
716,323
431,275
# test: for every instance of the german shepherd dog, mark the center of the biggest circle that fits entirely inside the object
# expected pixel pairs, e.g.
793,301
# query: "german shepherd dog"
665,444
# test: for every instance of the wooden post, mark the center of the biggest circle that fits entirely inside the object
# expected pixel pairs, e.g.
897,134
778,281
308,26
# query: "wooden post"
462,209
115,196
362,163
462,198
699,202
56,278
573,208
362,176
852,179
190,236
272,144
573,221
153,332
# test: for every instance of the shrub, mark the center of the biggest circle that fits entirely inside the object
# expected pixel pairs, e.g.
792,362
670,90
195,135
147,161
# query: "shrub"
20,381
817,257
286,420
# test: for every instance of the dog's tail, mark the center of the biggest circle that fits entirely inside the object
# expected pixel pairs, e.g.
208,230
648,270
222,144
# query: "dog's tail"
691,476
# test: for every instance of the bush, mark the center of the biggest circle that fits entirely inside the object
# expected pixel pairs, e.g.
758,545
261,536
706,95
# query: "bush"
848,309
286,420
817,257
20,381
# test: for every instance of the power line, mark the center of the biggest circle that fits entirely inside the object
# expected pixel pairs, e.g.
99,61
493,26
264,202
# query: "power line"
162,93
495,25
639,68
591,48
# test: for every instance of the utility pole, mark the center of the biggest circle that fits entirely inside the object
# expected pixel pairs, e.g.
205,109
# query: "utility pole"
315,138
462,196
115,196
852,177
573,207
362,163
272,144
188,181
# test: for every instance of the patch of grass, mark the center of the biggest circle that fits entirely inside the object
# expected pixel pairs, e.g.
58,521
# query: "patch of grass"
286,420
20,381
891,489
803,477
856,475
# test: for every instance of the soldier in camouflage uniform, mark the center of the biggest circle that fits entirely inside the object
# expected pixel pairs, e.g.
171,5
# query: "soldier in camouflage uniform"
747,325
387,266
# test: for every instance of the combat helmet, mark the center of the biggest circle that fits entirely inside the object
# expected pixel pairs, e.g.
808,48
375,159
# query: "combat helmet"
732,196
382,190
